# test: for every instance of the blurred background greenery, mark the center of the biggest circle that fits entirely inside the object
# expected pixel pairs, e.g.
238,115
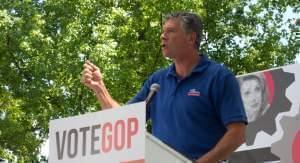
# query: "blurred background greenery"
44,43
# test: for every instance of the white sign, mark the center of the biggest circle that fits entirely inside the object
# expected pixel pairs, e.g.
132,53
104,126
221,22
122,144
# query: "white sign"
272,101
109,136
278,97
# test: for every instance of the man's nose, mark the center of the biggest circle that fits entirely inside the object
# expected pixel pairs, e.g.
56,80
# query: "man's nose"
163,36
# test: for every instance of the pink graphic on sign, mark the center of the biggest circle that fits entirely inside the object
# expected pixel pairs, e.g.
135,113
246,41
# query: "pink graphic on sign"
296,148
270,86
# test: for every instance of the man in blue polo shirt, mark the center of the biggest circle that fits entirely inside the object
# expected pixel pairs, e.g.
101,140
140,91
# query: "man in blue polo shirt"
198,110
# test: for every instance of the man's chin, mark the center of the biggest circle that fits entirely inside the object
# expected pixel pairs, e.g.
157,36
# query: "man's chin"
167,55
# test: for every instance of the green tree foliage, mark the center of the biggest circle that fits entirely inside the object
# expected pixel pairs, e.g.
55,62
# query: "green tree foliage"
44,43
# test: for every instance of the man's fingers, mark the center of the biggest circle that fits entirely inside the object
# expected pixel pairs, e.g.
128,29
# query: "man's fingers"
88,67
91,75
87,71
87,76
94,67
85,81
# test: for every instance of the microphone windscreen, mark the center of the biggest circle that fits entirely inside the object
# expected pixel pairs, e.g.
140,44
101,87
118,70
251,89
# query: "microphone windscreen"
155,87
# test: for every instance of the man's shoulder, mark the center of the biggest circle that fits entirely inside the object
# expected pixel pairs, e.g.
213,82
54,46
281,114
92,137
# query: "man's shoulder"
218,68
160,73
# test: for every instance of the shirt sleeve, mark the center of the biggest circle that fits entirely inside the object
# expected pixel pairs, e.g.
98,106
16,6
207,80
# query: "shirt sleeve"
228,101
142,95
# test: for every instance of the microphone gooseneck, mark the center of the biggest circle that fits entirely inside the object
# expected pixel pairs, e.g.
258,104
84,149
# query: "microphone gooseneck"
153,90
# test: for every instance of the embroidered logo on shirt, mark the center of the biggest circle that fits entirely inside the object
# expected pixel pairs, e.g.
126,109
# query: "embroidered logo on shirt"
193,92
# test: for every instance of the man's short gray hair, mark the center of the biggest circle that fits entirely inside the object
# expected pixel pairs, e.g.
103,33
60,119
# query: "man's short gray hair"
190,22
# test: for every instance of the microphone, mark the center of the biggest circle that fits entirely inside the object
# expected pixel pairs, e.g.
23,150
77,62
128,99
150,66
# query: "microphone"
153,89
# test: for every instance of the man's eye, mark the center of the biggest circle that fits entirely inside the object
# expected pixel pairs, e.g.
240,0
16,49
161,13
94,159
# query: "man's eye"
168,31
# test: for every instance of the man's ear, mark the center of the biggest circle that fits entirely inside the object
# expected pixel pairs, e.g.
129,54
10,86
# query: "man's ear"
192,37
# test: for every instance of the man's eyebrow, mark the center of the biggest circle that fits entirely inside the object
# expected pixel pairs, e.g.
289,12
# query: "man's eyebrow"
168,29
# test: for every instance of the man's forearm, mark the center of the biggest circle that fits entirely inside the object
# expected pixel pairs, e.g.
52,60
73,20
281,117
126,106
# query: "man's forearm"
105,100
232,139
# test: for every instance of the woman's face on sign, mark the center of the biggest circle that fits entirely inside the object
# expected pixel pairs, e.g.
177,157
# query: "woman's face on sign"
251,92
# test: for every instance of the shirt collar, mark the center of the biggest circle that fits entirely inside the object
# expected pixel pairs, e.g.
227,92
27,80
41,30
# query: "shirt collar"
200,67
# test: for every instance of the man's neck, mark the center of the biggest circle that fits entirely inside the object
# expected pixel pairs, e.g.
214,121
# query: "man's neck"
185,65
